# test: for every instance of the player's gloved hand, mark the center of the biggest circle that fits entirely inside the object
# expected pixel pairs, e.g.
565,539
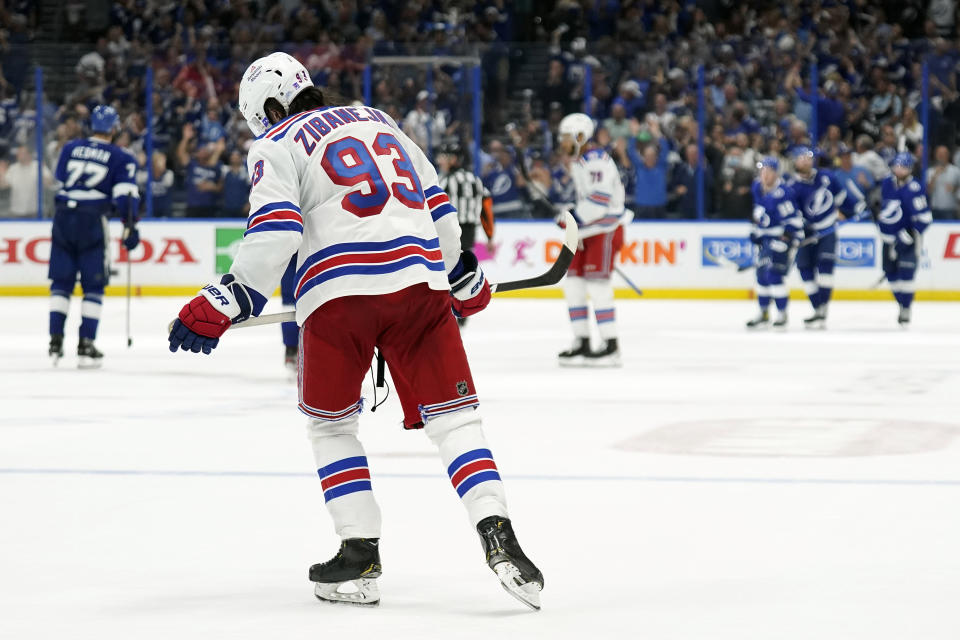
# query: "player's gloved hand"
205,318
468,286
560,220
755,237
131,238
778,245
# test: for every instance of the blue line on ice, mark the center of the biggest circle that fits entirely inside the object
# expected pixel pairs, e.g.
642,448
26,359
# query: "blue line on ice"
534,477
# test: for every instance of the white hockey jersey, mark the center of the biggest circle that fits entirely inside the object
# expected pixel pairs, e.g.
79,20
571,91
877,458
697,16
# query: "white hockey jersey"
600,196
358,202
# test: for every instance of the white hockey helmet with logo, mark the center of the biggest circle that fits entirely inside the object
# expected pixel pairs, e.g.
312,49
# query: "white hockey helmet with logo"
579,126
279,76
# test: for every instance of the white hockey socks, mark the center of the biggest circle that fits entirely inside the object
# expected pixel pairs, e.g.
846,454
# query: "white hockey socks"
601,294
345,477
469,463
575,291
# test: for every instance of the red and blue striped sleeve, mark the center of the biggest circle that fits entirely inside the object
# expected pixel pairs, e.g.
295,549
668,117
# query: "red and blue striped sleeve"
275,216
275,226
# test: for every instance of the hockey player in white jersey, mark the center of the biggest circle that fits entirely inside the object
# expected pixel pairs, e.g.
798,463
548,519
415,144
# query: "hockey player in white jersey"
600,217
379,265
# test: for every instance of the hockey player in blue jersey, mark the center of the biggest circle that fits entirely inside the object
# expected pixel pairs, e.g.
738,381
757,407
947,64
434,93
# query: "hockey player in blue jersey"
777,229
822,200
904,216
97,181
290,330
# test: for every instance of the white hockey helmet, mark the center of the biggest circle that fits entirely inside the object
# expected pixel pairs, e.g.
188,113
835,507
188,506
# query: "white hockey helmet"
579,126
278,76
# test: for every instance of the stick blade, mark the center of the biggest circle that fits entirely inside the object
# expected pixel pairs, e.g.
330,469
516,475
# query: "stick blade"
559,268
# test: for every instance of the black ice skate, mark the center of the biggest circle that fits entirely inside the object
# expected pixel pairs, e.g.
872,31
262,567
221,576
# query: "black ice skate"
781,322
351,576
608,356
762,321
818,320
88,357
56,348
904,318
519,577
575,355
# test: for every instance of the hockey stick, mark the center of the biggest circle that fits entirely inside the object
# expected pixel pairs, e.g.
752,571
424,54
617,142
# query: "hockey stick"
724,261
833,229
129,226
637,290
545,279
806,242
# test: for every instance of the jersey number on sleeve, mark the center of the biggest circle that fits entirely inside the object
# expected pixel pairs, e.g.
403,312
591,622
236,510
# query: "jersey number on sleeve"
349,162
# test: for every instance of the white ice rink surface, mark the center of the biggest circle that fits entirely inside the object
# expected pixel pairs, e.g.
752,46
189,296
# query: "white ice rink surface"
721,485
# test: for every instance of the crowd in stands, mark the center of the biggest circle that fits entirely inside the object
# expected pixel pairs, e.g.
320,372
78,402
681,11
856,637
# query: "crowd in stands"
641,58
758,61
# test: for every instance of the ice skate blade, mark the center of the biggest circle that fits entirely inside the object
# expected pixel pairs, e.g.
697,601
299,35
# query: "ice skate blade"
759,327
604,362
55,360
526,592
86,362
366,594
577,361
815,326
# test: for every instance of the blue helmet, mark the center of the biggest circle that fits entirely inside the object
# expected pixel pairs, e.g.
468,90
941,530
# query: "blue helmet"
104,119
802,150
902,159
770,162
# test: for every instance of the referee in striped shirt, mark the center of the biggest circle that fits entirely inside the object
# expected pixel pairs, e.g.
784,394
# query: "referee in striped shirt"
468,196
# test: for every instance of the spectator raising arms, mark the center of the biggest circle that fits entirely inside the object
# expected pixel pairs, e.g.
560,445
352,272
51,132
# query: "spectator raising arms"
21,179
650,168
204,174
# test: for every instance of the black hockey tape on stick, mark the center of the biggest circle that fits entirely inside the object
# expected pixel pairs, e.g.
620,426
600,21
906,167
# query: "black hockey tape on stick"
551,276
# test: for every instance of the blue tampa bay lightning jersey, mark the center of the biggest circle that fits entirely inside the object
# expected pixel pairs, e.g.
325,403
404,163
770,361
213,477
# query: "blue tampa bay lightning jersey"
775,213
97,175
502,184
819,197
904,210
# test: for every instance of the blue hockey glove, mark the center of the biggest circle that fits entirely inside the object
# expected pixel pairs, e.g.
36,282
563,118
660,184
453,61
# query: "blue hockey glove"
131,238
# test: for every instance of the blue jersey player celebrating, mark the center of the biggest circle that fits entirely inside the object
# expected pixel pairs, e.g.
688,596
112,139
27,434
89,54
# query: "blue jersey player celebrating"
904,216
97,181
777,229
822,200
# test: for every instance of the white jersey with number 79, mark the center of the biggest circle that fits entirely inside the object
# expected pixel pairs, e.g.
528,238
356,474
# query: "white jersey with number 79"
600,196
357,201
